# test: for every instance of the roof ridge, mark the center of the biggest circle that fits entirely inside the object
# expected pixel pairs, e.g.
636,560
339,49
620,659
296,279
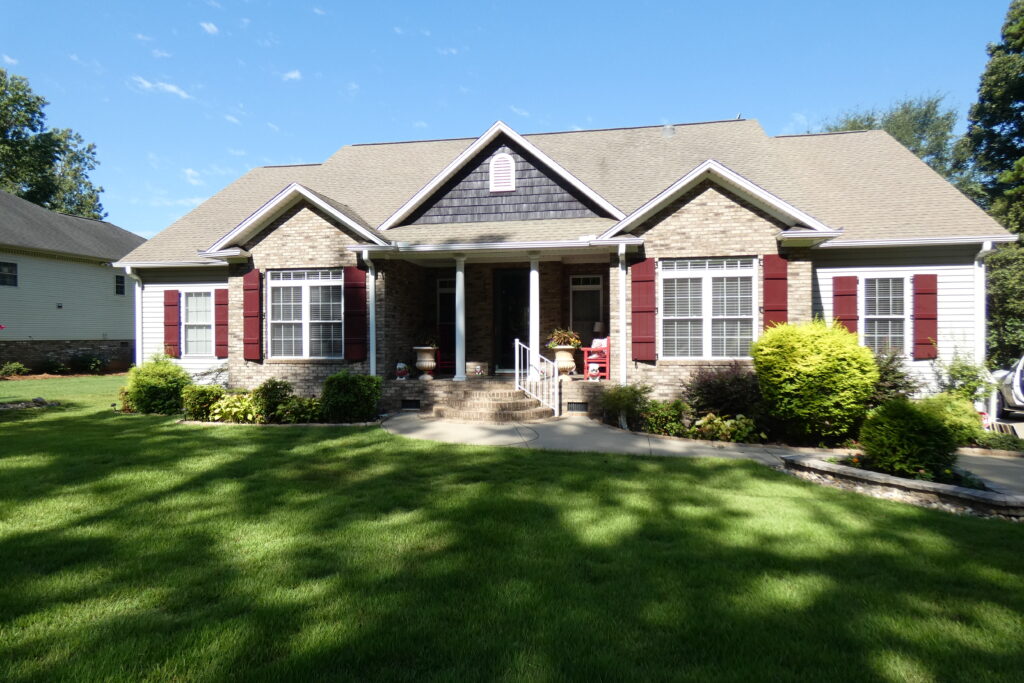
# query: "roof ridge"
827,132
318,163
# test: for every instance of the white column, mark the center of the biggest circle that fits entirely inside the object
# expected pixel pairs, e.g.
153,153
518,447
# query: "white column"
372,275
534,314
980,304
622,340
460,319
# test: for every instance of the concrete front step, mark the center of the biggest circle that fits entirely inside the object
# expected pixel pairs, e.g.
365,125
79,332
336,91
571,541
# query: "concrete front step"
492,405
538,413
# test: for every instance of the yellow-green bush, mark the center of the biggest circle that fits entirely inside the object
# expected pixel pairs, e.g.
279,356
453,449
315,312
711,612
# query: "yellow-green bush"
958,414
903,439
815,378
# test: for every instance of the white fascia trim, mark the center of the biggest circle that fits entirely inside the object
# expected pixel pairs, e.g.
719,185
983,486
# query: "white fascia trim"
166,264
725,176
499,128
232,253
917,242
501,246
281,201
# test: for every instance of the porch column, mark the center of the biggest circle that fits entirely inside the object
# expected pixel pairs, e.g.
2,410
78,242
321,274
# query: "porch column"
460,319
534,313
621,341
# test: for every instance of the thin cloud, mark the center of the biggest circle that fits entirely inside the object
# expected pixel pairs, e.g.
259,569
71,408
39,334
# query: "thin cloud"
192,176
9,60
293,75
210,27
162,202
425,32
214,4
352,88
447,51
236,152
231,119
143,37
92,64
160,54
518,110
398,30
272,127
317,10
160,86
419,124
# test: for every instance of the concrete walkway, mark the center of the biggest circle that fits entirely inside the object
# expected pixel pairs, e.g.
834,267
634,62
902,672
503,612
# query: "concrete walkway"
1003,474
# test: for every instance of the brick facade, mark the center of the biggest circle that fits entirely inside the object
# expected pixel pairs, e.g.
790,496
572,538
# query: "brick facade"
42,354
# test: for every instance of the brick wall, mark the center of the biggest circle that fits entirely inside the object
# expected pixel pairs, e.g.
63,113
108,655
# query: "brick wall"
40,355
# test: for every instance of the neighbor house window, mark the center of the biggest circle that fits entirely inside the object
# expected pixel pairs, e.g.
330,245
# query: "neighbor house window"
885,314
197,325
119,285
306,314
8,274
706,307
502,173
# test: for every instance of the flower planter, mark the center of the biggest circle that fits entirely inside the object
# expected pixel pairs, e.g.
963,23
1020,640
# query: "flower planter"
426,361
565,359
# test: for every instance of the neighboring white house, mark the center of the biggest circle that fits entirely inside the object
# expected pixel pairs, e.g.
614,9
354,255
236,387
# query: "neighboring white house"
61,300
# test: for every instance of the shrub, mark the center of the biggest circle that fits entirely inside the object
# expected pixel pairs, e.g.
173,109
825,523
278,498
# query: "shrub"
739,429
125,400
55,365
268,396
724,390
669,418
350,398
12,368
901,438
627,402
86,363
197,399
234,408
893,379
958,414
1002,442
297,410
814,377
155,386
961,376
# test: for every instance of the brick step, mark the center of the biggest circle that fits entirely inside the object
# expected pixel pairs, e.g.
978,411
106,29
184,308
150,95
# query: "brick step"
491,405
538,413
475,395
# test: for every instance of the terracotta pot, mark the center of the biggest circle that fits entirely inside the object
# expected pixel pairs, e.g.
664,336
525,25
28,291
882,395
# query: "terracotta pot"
426,361
565,359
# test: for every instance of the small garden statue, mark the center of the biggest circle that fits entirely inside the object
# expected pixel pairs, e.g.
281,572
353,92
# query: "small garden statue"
402,371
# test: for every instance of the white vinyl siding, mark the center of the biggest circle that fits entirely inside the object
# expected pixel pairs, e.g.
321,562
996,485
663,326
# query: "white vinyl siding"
88,308
306,314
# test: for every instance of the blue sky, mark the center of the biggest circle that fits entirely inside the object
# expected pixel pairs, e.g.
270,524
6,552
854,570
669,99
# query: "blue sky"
181,98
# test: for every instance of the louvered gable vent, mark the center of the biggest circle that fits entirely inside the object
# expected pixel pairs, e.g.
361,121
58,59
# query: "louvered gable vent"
502,173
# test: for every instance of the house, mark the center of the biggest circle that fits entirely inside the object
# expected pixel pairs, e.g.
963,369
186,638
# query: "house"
60,297
682,242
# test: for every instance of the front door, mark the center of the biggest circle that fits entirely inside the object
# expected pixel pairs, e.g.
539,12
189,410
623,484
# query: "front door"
511,314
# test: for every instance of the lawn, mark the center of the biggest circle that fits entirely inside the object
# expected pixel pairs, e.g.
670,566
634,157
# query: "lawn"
135,548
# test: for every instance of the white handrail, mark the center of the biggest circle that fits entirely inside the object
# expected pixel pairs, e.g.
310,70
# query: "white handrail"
537,377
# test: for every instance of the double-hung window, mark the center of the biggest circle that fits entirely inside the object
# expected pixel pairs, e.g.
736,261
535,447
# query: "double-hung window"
8,274
707,307
306,314
119,285
197,327
885,314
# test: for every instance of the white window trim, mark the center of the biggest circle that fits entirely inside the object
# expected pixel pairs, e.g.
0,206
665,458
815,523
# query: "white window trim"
908,309
599,288
754,272
16,273
182,324
305,285
492,184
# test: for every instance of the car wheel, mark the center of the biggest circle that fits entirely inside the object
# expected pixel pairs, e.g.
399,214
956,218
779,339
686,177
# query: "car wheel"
1001,412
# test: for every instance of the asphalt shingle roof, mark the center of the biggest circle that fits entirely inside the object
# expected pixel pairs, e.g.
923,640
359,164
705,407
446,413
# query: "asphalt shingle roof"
864,183
26,225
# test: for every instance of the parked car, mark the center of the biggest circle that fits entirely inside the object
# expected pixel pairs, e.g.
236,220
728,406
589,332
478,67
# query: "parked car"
1009,388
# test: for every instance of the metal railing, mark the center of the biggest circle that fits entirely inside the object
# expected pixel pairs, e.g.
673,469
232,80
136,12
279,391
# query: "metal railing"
537,377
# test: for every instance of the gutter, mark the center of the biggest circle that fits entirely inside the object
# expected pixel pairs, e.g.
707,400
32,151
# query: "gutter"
401,247
917,242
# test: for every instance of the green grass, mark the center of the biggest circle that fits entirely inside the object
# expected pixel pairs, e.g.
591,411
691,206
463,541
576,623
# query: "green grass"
134,548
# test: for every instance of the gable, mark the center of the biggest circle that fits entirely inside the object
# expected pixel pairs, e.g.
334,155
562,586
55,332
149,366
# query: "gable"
539,193
302,236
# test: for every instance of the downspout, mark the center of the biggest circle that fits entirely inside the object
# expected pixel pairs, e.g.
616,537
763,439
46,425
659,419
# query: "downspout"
980,303
373,310
623,356
137,305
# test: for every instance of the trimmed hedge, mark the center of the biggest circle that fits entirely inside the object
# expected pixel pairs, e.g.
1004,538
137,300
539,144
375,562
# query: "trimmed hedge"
197,399
156,386
903,439
350,398
268,396
815,377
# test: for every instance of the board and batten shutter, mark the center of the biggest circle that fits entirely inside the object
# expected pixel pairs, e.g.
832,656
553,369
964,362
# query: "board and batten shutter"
643,330
356,326
252,315
220,323
926,317
172,323
844,301
776,290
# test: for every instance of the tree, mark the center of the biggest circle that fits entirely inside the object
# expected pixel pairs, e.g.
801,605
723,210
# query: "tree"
49,167
923,126
1005,297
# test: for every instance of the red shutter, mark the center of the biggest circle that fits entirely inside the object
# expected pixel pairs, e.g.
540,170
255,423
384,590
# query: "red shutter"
220,322
776,290
844,301
642,277
172,323
926,316
356,326
252,316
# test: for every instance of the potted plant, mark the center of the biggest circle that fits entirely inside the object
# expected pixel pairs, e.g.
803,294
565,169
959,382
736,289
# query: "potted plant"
564,343
426,354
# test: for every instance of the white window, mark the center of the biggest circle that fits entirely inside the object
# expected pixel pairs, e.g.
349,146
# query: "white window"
502,173
306,314
885,314
706,307
197,332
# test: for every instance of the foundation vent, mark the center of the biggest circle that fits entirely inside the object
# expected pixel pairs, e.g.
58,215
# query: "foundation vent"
410,404
576,406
